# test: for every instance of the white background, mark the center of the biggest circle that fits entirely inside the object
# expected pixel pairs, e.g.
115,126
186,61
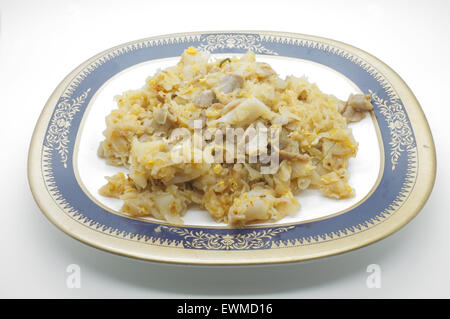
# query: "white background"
42,41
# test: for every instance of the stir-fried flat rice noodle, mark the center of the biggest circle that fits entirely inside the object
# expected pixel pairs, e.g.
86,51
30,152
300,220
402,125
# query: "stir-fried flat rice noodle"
313,148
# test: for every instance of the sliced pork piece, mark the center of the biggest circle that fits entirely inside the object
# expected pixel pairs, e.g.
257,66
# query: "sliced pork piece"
205,99
356,107
230,83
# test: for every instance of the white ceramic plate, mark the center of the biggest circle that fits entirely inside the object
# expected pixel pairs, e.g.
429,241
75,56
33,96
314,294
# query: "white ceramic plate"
393,172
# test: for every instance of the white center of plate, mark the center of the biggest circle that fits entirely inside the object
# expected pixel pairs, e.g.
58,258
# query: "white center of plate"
363,170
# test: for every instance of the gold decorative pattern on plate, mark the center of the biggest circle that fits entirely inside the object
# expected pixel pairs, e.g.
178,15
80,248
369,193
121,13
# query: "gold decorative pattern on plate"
251,42
58,130
399,129
255,239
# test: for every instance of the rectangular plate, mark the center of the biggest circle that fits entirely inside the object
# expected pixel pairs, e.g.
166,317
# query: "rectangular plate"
393,172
